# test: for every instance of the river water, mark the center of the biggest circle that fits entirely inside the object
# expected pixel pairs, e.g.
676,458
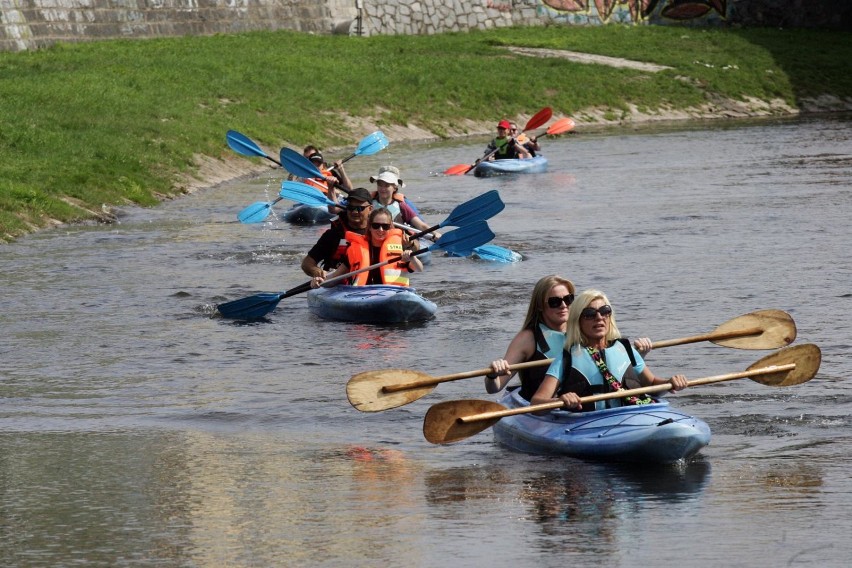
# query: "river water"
137,430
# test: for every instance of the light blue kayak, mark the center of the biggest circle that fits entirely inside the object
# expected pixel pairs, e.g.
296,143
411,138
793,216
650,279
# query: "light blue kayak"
376,303
649,433
501,167
301,214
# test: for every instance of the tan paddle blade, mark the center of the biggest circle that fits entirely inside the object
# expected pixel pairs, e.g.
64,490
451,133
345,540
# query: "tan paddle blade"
373,391
442,423
763,329
807,358
366,390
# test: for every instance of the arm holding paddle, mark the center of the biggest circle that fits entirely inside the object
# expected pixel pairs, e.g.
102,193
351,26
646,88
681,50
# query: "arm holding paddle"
455,420
380,236
412,263
537,120
594,342
375,391
542,335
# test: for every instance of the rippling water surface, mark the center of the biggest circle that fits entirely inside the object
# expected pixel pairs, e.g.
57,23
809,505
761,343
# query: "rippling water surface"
136,430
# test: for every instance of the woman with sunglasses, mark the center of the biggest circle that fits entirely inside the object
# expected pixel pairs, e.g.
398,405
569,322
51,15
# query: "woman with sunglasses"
387,195
382,242
596,359
542,336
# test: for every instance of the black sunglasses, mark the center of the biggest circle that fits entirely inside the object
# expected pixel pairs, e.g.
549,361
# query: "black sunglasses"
357,208
556,301
382,226
590,313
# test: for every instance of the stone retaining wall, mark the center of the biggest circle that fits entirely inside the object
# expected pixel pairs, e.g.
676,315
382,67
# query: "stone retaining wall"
32,24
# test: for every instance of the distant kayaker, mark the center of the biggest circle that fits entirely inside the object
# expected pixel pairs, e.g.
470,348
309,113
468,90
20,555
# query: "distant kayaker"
332,177
504,146
388,196
542,336
531,144
381,242
597,360
328,251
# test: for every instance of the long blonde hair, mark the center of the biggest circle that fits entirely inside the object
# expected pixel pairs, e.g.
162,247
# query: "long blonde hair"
581,302
538,299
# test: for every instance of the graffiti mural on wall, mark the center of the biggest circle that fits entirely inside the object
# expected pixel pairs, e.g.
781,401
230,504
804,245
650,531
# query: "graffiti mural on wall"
640,10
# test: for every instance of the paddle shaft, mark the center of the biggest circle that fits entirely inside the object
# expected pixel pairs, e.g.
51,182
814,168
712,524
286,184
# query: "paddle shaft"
626,393
458,376
709,337
368,268
534,122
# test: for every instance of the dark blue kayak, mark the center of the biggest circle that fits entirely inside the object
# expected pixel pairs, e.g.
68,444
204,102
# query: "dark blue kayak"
649,433
376,303
301,214
501,167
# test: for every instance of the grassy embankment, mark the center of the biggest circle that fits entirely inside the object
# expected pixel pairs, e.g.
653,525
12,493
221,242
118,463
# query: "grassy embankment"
119,122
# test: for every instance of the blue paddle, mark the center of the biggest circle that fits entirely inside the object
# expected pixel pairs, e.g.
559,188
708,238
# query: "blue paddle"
480,208
245,146
298,165
459,241
494,253
258,211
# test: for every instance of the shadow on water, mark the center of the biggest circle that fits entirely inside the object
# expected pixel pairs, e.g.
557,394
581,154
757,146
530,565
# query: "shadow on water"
821,58
563,491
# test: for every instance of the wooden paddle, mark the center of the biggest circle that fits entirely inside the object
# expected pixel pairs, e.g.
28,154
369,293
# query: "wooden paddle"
537,120
456,420
374,391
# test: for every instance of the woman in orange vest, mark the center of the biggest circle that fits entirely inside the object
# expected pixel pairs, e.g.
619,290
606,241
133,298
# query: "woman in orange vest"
381,243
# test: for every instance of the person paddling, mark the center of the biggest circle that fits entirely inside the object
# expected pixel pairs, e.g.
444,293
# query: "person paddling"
504,146
328,251
596,359
381,242
387,195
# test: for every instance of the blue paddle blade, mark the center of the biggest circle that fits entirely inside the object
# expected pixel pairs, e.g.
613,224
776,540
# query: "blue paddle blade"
258,305
479,208
255,213
494,253
463,240
243,145
304,193
252,307
372,144
298,165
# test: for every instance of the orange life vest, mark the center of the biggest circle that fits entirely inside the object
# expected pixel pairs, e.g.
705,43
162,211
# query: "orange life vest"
358,255
320,183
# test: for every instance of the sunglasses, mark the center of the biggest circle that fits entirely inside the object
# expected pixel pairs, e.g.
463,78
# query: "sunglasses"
357,208
590,313
555,301
382,226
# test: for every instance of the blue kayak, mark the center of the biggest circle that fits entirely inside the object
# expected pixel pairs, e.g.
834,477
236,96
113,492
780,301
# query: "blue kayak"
649,433
301,214
375,303
500,167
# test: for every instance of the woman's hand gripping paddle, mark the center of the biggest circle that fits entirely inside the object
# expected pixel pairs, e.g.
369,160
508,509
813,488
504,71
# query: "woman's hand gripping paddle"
455,420
374,391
